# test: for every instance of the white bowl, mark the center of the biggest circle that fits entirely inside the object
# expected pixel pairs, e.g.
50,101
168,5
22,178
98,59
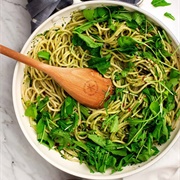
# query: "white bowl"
52,156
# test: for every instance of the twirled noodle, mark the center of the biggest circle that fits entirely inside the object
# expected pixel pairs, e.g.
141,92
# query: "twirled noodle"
58,42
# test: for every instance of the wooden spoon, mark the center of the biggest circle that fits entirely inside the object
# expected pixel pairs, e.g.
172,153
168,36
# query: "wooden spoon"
85,85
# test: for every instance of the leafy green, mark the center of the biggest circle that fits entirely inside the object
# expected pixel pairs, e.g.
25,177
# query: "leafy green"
101,64
61,138
177,114
88,14
77,41
155,107
169,15
44,55
31,111
122,16
97,139
68,118
127,44
87,25
139,18
93,14
89,42
157,3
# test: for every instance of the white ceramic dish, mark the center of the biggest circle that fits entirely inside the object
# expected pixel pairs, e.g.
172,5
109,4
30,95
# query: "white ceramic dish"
52,156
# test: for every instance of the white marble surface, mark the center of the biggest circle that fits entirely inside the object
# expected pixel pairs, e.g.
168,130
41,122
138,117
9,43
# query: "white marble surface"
18,160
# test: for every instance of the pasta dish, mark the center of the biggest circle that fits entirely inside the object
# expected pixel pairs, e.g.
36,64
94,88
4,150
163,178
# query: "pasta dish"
139,58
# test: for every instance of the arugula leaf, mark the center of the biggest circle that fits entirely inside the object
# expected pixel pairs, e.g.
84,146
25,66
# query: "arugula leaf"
44,55
87,25
82,145
83,27
114,125
92,14
101,64
157,3
31,111
127,44
40,126
68,118
177,114
139,18
61,138
145,155
169,15
84,110
97,139
122,16
170,102
67,107
89,41
155,107
88,14
77,41
41,103
174,74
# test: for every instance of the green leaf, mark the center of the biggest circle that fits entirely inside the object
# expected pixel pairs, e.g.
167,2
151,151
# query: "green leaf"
41,103
114,125
67,107
154,107
102,11
44,55
169,15
77,41
139,18
82,145
170,102
127,44
174,74
89,42
92,14
97,139
101,64
157,3
177,114
31,111
87,25
88,14
62,138
145,155
127,16
40,126
84,110
83,27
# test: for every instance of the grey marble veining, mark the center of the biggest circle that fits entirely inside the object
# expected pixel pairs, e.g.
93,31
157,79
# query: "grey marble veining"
18,160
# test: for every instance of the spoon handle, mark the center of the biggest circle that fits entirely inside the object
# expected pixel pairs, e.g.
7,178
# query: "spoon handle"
22,58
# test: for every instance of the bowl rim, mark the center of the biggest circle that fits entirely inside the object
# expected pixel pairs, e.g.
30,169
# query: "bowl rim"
17,97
